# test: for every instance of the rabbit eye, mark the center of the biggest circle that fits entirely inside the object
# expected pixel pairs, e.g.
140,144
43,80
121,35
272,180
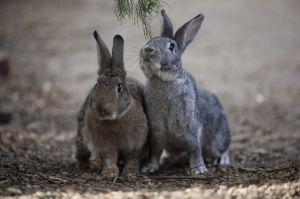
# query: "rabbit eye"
171,47
119,88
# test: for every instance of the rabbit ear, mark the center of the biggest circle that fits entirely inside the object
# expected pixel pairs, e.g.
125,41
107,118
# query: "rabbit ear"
117,57
104,58
167,30
118,51
186,33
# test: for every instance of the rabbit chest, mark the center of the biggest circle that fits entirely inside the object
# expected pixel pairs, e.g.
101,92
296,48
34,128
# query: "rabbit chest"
171,107
128,133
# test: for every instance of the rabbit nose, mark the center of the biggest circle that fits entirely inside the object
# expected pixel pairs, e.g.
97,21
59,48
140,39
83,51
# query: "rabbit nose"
149,50
102,111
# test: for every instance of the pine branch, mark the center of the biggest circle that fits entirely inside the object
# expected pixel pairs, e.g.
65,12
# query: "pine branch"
140,12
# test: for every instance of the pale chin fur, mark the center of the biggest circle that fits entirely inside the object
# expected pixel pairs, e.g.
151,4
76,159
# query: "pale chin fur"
112,116
153,68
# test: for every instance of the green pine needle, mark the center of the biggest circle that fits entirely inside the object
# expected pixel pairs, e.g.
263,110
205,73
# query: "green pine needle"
139,11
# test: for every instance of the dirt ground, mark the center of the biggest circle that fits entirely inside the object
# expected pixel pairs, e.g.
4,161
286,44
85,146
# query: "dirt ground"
244,50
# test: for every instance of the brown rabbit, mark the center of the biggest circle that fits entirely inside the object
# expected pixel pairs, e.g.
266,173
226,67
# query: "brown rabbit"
112,122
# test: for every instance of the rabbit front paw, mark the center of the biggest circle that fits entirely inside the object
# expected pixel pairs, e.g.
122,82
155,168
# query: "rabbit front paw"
198,170
110,172
95,164
130,172
131,168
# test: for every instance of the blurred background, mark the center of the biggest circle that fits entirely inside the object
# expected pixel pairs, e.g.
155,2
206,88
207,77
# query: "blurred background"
247,52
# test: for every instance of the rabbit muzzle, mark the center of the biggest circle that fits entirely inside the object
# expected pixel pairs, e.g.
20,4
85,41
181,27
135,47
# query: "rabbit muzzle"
105,113
149,54
148,51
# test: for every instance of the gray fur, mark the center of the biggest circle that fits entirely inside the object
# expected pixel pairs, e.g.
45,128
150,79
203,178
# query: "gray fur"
112,122
182,117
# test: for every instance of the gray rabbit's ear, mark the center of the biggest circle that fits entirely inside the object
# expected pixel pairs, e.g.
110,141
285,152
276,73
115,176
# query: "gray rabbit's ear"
118,51
167,30
104,58
186,33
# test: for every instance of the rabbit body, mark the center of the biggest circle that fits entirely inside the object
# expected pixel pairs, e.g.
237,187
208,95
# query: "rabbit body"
112,123
182,118
107,139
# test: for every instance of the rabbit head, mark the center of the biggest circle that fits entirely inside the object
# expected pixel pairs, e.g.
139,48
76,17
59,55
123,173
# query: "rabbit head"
111,98
161,56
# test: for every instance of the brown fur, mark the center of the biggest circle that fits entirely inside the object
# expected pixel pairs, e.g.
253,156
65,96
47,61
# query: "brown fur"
102,140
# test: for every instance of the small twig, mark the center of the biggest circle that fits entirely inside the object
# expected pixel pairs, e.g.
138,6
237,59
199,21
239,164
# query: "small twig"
52,178
43,176
115,180
182,177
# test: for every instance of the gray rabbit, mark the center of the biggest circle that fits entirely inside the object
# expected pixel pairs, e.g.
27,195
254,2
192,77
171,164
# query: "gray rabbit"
182,118
112,122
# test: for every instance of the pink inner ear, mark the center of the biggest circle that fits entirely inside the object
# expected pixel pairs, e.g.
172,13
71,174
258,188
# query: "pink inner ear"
191,31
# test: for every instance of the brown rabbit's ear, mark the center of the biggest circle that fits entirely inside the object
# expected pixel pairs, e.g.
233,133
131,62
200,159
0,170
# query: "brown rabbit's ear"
104,58
117,57
186,33
118,51
167,30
